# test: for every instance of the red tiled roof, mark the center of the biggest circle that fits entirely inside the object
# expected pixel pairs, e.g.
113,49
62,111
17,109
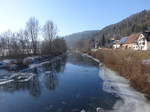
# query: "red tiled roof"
132,38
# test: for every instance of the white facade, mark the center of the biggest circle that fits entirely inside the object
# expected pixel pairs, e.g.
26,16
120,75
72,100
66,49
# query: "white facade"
142,43
116,46
135,47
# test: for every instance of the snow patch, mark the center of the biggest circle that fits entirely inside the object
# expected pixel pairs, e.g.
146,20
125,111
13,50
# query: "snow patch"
5,81
22,77
146,62
38,65
48,72
17,77
133,101
91,57
29,60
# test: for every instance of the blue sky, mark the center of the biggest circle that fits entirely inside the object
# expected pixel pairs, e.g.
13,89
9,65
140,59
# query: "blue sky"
70,16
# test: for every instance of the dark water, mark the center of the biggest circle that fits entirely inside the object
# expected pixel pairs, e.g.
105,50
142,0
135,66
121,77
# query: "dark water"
72,85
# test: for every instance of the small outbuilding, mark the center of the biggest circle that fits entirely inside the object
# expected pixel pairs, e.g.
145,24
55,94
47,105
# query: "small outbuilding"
116,44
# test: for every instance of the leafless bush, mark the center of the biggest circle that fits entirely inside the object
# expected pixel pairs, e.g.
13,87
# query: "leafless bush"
26,42
128,64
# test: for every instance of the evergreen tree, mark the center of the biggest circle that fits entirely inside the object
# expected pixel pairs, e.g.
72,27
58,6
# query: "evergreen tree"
103,41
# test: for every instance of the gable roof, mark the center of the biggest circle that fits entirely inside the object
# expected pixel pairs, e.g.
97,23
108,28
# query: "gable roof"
132,38
123,40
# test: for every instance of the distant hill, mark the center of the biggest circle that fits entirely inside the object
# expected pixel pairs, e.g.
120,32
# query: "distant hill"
133,24
73,38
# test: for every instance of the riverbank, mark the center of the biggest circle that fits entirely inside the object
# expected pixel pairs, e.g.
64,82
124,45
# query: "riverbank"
129,64
20,63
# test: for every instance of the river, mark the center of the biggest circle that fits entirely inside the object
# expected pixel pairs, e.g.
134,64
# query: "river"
73,84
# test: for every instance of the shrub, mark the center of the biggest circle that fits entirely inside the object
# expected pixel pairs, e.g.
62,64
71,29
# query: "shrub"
128,64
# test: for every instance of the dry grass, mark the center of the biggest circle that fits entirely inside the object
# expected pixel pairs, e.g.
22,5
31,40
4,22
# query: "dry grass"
128,64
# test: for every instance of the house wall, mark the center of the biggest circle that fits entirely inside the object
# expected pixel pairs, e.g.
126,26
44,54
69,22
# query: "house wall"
142,42
135,46
148,45
115,46
127,46
132,46
124,46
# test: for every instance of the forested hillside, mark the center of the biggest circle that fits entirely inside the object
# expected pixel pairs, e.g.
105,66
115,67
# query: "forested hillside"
74,38
132,24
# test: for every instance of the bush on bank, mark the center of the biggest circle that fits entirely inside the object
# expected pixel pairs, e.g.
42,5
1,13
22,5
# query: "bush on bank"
128,64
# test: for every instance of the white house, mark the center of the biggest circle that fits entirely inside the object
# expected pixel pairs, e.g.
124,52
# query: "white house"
116,44
142,42
136,41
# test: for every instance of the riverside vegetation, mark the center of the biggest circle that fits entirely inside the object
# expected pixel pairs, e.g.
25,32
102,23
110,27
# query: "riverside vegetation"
33,40
133,65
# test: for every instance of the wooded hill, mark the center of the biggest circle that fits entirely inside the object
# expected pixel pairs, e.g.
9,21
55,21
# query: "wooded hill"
74,38
132,24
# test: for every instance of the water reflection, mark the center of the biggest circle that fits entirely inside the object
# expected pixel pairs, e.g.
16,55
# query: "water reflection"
31,86
35,88
67,85
58,66
50,80
45,73
81,60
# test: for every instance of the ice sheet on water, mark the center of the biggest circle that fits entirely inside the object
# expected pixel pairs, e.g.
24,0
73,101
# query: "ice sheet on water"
7,61
91,57
29,60
31,66
132,101
48,72
4,63
38,65
22,77
3,72
5,81
17,77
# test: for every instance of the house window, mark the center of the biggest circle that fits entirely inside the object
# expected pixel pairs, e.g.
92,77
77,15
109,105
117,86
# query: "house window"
143,43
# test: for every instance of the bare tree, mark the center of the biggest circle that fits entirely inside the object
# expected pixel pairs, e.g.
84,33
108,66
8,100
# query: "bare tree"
49,33
6,42
25,42
32,28
59,46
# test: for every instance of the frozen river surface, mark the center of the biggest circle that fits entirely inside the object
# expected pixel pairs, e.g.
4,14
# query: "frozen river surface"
72,84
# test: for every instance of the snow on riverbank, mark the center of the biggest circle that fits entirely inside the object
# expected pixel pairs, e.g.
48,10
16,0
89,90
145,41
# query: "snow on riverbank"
132,101
146,62
91,57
